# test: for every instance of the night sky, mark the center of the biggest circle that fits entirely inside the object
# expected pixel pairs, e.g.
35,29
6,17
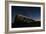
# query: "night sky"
33,12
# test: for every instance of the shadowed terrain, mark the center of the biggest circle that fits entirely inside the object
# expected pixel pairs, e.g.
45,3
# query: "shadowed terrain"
23,21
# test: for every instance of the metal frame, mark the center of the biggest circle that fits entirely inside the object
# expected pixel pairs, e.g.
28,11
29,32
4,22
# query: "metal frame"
7,16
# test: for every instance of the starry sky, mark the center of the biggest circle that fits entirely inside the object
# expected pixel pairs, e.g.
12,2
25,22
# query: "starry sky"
33,12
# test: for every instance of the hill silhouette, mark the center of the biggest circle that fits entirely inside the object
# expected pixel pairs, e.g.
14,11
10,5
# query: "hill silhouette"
21,21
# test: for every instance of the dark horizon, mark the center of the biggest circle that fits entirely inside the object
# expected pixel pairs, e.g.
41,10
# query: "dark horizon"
22,21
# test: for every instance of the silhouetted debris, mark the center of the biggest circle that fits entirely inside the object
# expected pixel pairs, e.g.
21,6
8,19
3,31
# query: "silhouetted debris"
21,21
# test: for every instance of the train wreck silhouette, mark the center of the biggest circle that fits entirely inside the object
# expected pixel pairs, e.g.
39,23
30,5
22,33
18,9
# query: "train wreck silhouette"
24,21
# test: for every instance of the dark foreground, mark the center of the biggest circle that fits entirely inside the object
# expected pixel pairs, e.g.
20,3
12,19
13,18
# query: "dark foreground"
20,24
25,22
